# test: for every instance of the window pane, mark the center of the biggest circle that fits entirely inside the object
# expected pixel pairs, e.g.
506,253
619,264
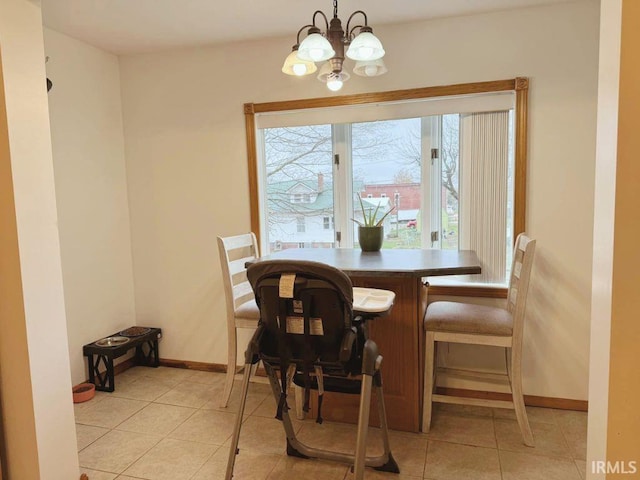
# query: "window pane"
299,187
386,160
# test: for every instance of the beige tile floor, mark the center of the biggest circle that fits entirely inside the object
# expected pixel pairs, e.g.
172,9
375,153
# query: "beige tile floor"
165,424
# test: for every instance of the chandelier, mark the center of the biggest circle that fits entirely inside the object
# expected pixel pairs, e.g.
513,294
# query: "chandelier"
329,47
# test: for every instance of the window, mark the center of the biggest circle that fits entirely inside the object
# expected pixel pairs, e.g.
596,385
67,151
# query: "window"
452,161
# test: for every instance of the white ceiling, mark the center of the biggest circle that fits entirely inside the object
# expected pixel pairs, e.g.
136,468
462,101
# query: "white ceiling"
134,26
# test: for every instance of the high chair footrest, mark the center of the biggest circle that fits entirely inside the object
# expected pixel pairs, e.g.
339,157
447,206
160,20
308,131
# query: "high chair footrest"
332,384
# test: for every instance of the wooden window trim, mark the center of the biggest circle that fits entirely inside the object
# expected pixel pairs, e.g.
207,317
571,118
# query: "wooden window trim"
519,85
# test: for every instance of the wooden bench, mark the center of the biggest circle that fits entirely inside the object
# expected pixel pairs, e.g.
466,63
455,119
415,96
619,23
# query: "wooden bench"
101,356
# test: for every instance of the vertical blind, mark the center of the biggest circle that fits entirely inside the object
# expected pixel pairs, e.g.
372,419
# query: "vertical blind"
484,157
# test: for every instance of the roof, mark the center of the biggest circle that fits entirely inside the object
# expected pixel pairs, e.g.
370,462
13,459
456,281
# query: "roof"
279,197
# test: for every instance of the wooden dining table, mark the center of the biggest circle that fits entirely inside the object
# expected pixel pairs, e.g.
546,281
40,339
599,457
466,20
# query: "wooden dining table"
399,335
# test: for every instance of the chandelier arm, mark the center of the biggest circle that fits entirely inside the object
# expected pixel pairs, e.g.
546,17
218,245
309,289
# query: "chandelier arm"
366,22
300,31
350,32
326,21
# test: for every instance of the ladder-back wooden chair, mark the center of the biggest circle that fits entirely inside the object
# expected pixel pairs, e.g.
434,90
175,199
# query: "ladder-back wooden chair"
242,311
482,325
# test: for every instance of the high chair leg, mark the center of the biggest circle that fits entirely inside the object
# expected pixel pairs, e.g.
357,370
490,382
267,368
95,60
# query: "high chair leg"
363,427
391,465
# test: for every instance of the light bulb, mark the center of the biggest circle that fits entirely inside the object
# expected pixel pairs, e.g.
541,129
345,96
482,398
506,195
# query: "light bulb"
369,70
295,66
334,84
300,69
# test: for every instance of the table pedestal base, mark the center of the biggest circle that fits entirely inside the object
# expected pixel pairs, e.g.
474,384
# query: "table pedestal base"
400,339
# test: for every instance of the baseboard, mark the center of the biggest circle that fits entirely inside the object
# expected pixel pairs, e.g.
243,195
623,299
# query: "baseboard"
530,400
205,367
202,366
122,366
119,368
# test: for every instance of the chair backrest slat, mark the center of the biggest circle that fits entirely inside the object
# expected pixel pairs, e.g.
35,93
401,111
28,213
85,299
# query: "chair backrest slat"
239,241
242,293
238,266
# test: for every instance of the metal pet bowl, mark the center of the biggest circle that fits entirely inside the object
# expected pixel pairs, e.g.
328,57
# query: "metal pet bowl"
112,341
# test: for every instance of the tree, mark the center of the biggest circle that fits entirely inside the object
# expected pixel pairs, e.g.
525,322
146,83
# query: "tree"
409,148
450,153
405,175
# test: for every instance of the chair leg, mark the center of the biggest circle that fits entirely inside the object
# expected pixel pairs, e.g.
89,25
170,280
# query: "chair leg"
429,381
233,451
363,427
231,367
518,401
507,356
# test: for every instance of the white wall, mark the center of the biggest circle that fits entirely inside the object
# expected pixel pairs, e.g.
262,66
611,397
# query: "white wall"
91,192
35,385
187,172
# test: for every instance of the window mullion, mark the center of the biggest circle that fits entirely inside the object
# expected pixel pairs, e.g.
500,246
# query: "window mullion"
431,181
343,190
435,163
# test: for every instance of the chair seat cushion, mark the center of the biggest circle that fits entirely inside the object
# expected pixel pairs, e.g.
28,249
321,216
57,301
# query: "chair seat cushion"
468,318
248,310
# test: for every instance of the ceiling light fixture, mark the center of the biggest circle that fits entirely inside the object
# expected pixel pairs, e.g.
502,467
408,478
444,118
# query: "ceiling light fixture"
329,47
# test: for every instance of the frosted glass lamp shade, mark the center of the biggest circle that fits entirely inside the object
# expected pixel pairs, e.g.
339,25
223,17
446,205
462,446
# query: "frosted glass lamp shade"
315,48
370,68
365,46
294,66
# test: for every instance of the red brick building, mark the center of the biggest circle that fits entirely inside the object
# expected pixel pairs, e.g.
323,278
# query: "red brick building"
403,196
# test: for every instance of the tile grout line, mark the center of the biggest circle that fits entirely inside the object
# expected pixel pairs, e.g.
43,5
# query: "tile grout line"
571,450
495,434
426,457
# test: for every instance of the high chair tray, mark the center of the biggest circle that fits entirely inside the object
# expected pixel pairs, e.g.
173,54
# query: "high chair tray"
372,300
